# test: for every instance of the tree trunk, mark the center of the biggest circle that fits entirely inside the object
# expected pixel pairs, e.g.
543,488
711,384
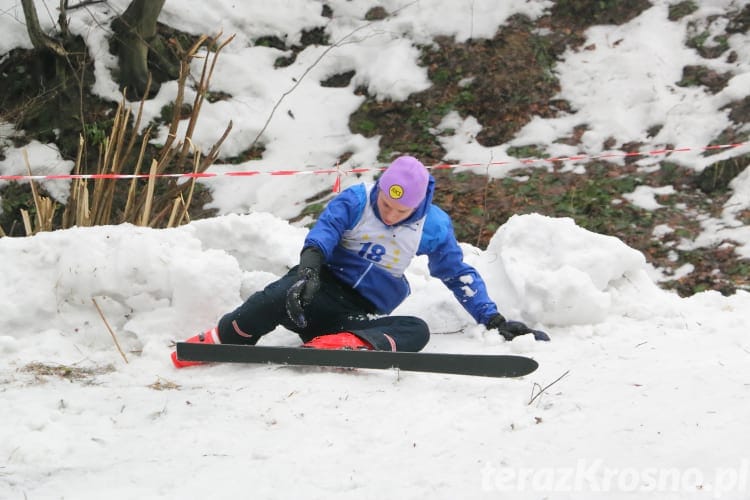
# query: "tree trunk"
135,31
38,38
58,70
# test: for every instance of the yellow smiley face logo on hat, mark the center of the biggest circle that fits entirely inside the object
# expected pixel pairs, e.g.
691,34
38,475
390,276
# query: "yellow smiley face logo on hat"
396,191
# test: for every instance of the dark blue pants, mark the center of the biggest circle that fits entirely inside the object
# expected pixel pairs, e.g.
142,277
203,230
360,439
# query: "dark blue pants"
335,308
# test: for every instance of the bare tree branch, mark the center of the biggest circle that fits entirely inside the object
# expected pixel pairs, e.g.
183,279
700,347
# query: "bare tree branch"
542,390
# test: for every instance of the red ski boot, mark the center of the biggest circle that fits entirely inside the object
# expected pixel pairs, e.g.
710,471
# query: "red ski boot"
343,340
209,337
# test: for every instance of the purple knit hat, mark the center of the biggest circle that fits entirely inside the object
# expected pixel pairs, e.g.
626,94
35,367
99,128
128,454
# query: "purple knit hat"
405,181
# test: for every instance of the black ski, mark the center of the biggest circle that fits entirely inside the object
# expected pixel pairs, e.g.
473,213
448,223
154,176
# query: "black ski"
483,365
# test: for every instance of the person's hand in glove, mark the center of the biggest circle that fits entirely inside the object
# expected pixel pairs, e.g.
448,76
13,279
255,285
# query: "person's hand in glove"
301,293
512,329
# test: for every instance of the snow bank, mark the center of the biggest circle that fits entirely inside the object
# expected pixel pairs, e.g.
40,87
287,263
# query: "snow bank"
553,272
162,284
151,284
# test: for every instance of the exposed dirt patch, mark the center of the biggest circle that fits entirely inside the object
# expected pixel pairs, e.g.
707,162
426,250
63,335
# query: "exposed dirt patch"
502,82
480,205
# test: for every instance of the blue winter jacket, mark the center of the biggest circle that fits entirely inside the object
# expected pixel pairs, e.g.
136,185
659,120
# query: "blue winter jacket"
380,287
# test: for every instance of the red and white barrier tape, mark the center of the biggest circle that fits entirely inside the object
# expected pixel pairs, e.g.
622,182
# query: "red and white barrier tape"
339,172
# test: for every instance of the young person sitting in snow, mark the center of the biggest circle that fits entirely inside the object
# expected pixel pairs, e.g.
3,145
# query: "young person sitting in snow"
351,273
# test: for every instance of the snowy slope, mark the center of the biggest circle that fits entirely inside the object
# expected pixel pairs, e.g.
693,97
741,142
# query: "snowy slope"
650,380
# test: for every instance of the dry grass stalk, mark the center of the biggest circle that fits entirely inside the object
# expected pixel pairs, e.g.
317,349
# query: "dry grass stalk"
104,189
137,122
202,91
71,213
162,207
83,212
180,202
111,332
163,385
175,209
186,204
144,221
45,207
41,370
97,202
27,222
130,203
180,98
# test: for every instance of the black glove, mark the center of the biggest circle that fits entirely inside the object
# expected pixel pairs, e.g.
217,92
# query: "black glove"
301,293
512,329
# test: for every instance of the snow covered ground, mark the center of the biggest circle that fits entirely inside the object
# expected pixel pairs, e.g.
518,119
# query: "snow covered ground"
649,394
